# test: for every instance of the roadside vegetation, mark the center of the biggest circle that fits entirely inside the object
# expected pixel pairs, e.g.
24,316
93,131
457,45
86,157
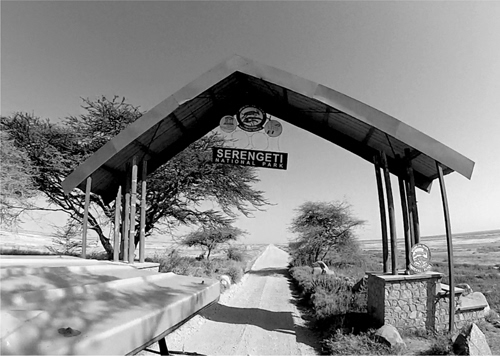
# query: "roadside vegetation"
325,231
336,300
233,264
233,260
15,251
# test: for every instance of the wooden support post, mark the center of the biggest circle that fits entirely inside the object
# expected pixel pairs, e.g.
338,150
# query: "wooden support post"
392,218
133,199
126,223
126,217
450,246
142,233
406,225
86,217
116,240
413,199
383,218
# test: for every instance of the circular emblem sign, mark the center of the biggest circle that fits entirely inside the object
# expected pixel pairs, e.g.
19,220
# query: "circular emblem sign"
227,124
273,128
251,119
420,258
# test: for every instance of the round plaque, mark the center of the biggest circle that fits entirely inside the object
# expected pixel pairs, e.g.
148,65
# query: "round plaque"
251,118
228,124
273,128
420,258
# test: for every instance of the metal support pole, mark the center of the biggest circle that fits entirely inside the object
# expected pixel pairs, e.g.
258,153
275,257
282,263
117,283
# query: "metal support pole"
116,240
86,217
410,215
133,199
142,233
406,225
413,199
450,245
163,347
392,218
383,218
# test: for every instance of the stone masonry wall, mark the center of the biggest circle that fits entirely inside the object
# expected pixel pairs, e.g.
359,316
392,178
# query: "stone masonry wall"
462,318
415,302
406,302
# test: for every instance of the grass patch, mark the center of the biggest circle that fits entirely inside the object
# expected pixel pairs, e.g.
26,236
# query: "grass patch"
17,251
92,255
350,344
484,279
441,345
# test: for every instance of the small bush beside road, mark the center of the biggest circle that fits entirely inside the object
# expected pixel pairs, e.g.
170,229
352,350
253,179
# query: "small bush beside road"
234,264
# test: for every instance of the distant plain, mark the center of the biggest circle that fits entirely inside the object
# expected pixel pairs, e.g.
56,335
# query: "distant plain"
481,248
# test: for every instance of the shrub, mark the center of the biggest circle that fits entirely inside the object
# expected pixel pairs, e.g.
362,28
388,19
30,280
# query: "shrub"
441,346
235,272
327,304
359,302
97,255
350,344
196,271
299,257
304,278
209,267
158,257
174,262
182,267
235,254
332,283
328,295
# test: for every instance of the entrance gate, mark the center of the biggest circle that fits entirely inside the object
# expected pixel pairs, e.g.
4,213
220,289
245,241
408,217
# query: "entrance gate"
389,144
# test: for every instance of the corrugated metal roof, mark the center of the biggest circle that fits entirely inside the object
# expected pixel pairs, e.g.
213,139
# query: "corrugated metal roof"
196,109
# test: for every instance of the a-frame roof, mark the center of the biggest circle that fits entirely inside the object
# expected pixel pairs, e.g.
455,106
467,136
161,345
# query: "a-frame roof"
197,108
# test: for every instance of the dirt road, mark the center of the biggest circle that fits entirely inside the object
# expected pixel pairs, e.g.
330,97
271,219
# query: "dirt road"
258,319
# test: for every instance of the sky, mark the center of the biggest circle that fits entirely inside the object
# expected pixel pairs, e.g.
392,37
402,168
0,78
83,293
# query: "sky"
433,65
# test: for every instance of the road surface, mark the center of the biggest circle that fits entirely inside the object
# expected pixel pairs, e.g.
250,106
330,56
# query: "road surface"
260,317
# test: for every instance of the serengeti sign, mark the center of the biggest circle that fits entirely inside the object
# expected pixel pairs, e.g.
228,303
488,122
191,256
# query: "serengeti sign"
237,156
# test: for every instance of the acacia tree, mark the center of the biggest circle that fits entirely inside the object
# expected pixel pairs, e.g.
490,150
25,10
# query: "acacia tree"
322,228
176,190
209,238
16,186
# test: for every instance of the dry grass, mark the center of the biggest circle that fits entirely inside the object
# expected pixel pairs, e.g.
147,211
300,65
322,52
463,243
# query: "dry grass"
19,251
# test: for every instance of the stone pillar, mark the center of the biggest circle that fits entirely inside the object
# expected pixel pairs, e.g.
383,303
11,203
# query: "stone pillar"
404,301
